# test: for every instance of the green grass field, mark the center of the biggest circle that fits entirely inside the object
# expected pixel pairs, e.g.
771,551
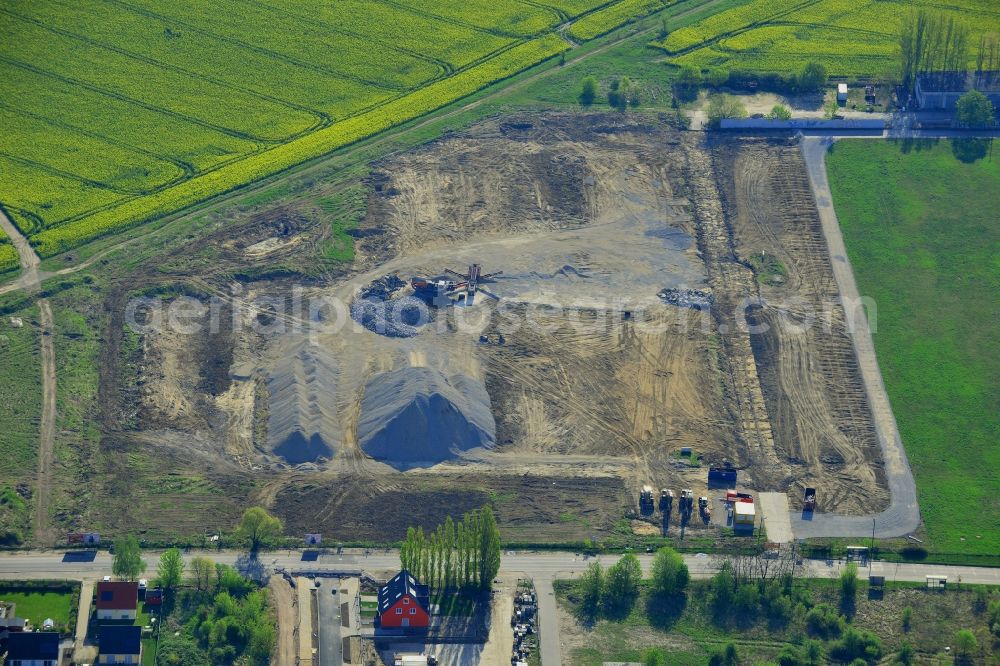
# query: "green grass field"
852,38
122,112
920,228
20,393
39,605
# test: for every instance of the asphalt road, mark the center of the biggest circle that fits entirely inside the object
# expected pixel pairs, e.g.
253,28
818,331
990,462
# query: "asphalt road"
330,645
543,568
903,515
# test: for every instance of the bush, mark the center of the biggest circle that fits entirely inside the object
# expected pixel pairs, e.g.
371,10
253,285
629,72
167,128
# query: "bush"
722,591
654,657
779,112
907,618
849,587
687,84
589,91
974,109
812,78
905,654
857,644
824,621
747,599
723,106
966,645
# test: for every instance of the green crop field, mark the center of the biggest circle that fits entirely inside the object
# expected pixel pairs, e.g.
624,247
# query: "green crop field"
121,111
852,38
920,228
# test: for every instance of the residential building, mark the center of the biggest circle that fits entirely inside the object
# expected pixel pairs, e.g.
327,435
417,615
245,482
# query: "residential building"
120,644
40,648
403,603
117,601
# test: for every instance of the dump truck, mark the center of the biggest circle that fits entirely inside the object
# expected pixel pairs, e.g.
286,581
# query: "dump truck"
704,508
666,500
809,500
646,500
687,501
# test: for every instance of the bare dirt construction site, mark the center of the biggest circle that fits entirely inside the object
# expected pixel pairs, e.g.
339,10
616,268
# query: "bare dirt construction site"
613,336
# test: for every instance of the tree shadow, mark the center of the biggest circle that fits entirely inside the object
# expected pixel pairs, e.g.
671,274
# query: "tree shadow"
909,144
970,150
663,611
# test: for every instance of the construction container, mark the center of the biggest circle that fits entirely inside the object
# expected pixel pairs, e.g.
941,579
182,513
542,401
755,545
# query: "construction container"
744,514
725,475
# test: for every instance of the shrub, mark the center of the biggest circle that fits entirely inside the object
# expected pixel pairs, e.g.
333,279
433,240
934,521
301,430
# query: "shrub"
812,77
965,645
907,618
974,109
588,91
824,621
857,644
687,84
723,106
779,112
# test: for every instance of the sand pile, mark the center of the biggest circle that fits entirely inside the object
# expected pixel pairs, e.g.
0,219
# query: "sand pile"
418,417
302,425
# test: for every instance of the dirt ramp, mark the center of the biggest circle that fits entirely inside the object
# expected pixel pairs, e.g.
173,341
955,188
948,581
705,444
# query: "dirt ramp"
302,424
418,417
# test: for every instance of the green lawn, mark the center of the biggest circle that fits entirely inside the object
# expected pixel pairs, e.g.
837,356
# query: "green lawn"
39,605
921,229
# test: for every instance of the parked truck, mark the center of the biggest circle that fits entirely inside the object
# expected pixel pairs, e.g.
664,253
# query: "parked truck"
705,509
666,500
646,500
809,500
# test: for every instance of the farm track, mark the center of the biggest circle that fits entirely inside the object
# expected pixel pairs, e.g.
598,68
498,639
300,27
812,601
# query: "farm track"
43,535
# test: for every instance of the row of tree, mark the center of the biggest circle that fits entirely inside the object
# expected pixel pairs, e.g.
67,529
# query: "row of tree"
613,592
932,42
457,554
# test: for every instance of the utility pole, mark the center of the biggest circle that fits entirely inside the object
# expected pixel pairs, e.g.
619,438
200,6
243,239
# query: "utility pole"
871,549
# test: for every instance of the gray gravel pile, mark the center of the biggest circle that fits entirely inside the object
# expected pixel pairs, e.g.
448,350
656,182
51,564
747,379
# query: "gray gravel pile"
377,309
688,298
302,425
418,417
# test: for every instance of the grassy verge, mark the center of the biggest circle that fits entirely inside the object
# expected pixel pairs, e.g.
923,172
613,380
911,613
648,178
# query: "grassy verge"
919,222
690,629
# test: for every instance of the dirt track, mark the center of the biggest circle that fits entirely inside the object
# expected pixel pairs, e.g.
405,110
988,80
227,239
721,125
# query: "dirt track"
283,601
29,280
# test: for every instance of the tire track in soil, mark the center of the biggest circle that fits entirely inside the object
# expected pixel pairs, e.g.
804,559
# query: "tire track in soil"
731,283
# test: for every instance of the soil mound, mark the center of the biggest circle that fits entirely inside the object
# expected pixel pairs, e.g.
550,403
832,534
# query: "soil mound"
301,425
418,417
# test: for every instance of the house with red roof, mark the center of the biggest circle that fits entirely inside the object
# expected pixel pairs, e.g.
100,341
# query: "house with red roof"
117,600
403,603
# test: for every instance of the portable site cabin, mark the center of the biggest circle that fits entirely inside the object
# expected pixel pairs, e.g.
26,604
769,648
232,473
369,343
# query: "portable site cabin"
744,514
